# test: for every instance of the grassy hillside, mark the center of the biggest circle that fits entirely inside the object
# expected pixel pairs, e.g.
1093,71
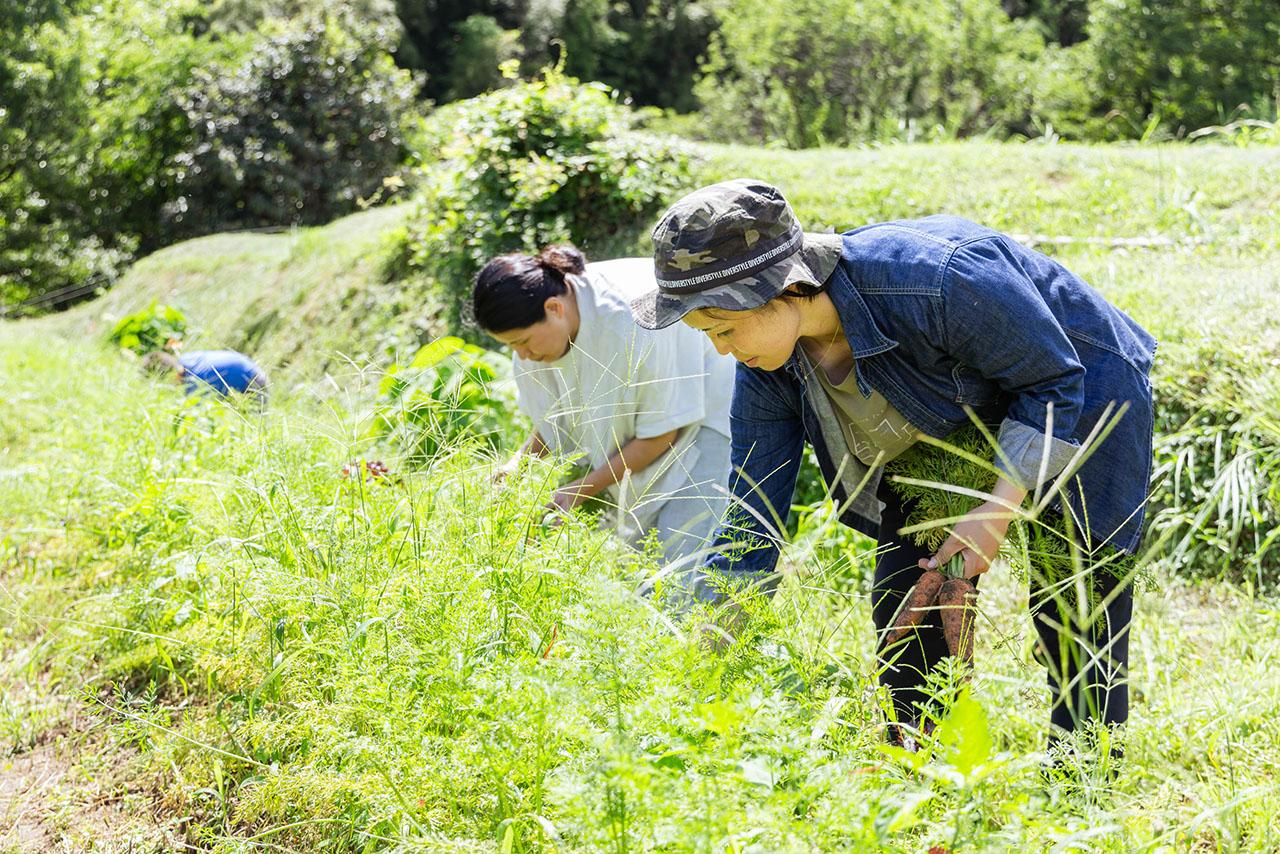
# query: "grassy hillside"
209,636
294,299
1207,213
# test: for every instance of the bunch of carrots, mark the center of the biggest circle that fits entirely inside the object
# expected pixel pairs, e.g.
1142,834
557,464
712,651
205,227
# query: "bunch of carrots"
944,591
953,596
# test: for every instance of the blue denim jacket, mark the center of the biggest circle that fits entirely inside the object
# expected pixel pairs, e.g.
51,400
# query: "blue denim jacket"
944,315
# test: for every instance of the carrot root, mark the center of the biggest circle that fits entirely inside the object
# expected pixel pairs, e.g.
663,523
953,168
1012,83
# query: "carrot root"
915,605
957,600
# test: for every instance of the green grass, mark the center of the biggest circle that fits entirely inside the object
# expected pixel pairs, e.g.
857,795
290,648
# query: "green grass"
1179,192
310,661
385,665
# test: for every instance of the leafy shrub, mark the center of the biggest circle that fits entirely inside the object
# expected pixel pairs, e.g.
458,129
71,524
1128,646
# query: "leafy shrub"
308,125
1061,97
50,253
153,328
138,123
137,59
823,73
1216,499
449,393
1187,63
541,162
224,17
984,67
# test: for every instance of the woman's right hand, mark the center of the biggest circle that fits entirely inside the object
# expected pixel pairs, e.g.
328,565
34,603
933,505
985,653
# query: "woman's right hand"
534,446
503,471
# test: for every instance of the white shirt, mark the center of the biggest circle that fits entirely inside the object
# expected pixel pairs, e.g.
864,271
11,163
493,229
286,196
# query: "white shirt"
620,382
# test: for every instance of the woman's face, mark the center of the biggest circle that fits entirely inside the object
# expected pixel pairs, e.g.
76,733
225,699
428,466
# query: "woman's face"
545,341
762,338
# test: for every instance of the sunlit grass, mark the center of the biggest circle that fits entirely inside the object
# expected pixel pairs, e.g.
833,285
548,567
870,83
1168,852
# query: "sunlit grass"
307,660
360,663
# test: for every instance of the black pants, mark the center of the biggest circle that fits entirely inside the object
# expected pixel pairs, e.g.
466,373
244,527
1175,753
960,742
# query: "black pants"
1086,654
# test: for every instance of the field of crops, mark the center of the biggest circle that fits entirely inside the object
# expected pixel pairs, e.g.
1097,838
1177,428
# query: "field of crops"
210,636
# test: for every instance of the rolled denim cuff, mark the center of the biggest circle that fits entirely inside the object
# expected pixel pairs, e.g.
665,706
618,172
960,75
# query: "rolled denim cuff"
1022,452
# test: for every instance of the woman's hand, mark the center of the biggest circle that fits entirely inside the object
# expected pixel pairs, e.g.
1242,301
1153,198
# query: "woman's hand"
504,471
534,446
978,536
562,503
636,455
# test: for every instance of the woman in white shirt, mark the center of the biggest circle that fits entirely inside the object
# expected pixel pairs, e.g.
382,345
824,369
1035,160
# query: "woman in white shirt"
648,409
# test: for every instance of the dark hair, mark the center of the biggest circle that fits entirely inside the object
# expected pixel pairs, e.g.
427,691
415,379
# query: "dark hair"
804,291
159,362
511,289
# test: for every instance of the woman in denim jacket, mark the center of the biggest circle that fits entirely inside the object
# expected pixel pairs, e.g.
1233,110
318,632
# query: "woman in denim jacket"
857,344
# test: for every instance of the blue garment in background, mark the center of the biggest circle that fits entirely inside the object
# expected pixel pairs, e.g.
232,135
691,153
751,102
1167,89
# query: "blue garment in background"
221,371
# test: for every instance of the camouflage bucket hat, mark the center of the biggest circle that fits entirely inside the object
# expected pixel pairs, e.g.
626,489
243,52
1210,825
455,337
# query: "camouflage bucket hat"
733,245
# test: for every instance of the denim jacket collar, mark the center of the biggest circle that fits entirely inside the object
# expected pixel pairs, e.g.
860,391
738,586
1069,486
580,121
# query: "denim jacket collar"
865,337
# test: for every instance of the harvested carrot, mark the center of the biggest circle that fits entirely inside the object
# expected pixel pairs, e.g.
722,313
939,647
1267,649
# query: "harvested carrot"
914,605
959,616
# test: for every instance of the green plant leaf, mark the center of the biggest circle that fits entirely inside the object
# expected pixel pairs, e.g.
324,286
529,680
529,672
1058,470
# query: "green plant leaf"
437,351
965,735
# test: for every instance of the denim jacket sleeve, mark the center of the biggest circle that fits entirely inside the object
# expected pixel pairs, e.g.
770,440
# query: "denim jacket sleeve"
768,443
996,321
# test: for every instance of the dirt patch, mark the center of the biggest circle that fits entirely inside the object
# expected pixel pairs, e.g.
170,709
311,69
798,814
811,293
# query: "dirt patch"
77,789
66,782
23,780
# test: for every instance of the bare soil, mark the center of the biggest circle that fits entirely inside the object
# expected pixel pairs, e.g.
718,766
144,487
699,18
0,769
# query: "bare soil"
77,789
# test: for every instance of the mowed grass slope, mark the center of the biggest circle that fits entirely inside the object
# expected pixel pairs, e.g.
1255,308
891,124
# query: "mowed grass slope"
302,300
303,660
1211,215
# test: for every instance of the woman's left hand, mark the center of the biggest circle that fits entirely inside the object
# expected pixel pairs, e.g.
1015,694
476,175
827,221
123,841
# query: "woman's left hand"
566,498
977,537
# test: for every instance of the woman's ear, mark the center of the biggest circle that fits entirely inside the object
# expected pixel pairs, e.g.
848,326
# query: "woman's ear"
554,307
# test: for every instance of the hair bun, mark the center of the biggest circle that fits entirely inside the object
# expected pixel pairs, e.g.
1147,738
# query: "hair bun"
564,258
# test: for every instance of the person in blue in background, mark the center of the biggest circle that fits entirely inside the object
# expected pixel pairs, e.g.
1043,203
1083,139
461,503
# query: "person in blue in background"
221,372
